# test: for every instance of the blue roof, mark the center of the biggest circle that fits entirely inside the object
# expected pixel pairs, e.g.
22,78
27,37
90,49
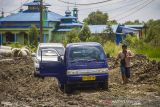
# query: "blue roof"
100,28
71,24
63,30
31,16
134,26
27,26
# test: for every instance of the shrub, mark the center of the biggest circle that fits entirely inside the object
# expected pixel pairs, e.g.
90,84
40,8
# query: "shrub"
111,48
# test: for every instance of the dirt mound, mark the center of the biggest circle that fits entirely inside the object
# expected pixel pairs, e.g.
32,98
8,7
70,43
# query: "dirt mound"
19,88
18,83
145,71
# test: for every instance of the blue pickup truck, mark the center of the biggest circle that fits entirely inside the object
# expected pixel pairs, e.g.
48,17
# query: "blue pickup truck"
83,64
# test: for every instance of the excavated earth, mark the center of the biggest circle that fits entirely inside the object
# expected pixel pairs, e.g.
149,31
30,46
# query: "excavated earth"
19,88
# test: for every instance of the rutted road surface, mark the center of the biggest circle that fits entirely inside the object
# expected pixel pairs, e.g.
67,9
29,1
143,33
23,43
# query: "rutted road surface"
19,88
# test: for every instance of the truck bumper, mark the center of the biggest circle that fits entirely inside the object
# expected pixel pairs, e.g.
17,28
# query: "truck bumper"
77,79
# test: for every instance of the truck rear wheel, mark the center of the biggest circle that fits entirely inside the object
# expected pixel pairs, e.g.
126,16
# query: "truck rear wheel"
38,76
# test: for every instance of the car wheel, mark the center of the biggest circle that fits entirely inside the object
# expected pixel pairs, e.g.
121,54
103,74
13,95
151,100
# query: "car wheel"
38,76
35,74
61,87
105,85
67,89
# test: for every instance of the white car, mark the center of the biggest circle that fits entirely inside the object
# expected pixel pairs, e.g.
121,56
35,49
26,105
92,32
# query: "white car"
47,52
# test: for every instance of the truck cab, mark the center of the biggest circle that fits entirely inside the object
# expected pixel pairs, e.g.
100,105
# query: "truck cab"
84,63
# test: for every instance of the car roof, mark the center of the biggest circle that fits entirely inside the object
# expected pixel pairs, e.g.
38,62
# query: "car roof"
51,45
83,44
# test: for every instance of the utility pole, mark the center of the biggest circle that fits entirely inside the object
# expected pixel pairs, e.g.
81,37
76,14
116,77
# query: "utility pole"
41,21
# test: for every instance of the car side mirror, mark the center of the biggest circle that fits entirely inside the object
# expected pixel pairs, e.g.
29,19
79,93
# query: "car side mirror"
60,59
33,54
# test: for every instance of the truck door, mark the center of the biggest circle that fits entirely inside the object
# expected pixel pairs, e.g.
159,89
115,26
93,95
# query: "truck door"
51,64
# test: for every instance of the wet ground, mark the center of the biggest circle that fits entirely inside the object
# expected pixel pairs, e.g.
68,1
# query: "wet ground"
19,88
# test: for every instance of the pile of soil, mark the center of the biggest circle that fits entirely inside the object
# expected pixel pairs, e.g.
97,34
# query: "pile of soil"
145,71
19,88
17,82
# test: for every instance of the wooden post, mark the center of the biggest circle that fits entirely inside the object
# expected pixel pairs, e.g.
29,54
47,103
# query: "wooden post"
15,37
1,38
41,21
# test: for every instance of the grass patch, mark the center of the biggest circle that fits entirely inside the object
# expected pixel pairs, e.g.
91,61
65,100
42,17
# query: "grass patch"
152,52
111,49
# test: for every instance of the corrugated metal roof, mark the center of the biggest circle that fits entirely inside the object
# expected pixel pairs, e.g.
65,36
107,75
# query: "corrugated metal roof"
101,28
31,16
129,30
63,30
71,24
135,26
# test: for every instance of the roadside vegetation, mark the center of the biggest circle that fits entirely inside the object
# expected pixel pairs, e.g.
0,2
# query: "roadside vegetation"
148,45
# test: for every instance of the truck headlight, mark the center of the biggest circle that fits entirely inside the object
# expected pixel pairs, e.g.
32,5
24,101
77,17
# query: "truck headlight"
87,71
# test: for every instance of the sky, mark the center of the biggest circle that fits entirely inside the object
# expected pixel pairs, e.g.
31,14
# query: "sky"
120,10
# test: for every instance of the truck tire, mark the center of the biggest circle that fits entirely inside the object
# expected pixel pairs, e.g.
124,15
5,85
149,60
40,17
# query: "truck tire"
61,87
35,74
38,76
105,85
67,89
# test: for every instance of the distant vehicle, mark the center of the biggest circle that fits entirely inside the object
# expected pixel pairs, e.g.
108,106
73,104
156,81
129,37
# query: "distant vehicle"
84,63
47,52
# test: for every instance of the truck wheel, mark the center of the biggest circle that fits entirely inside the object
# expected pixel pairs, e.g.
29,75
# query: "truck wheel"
105,85
61,87
37,75
67,89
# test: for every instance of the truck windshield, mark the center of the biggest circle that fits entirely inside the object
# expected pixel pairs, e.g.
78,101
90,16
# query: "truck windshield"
60,50
87,53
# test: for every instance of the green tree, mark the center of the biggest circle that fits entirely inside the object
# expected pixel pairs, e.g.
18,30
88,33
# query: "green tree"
133,22
33,36
85,33
96,18
72,36
153,34
94,38
112,22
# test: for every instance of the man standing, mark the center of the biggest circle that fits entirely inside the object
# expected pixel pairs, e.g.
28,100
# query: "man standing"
125,57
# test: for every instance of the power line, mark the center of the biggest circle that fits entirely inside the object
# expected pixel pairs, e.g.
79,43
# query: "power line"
81,9
129,10
133,12
123,6
102,5
86,4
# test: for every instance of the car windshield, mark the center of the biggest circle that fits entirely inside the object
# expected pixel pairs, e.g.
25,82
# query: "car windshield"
49,53
89,53
60,50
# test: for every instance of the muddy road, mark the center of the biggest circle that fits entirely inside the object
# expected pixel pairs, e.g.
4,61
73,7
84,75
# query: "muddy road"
19,88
